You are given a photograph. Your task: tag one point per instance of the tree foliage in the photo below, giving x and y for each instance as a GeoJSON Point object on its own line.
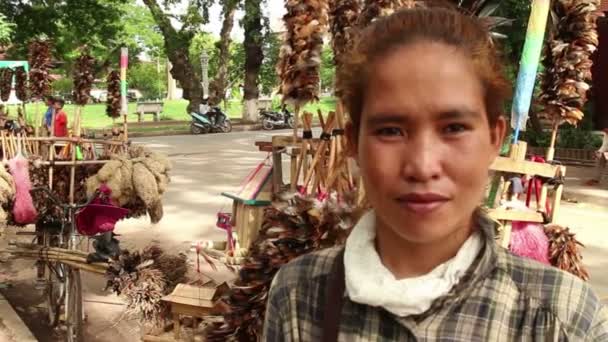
{"type": "Point", "coordinates": [68, 23]}
{"type": "Point", "coordinates": [178, 40]}
{"type": "Point", "coordinates": [519, 11]}
{"type": "Point", "coordinates": [149, 78]}
{"type": "Point", "coordinates": [6, 28]}
{"type": "Point", "coordinates": [328, 68]}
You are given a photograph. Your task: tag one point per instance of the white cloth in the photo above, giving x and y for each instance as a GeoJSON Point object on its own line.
{"type": "Point", "coordinates": [203, 108]}
{"type": "Point", "coordinates": [369, 282]}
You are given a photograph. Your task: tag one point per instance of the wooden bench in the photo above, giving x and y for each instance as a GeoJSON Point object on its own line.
{"type": "Point", "coordinates": [154, 108]}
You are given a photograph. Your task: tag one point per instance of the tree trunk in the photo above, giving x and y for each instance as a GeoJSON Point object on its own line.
{"type": "Point", "coordinates": [176, 48]}
{"type": "Point", "coordinates": [252, 23]}
{"type": "Point", "coordinates": [219, 85]}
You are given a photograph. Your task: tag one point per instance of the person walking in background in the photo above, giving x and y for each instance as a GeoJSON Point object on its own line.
{"type": "Point", "coordinates": [48, 115]}
{"type": "Point", "coordinates": [601, 156]}
{"type": "Point", "coordinates": [61, 119]}
{"type": "Point", "coordinates": [425, 90]}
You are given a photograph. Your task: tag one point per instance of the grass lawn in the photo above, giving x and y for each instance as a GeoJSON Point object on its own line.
{"type": "Point", "coordinates": [94, 115]}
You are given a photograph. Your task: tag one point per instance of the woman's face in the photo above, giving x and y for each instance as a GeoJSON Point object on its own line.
{"type": "Point", "coordinates": [425, 144]}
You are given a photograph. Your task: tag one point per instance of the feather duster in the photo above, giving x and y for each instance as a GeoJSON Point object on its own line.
{"type": "Point", "coordinates": [23, 209]}
{"type": "Point", "coordinates": [529, 240]}
{"type": "Point", "coordinates": [343, 16]}
{"type": "Point", "coordinates": [567, 59]}
{"type": "Point", "coordinates": [83, 78]}
{"type": "Point", "coordinates": [21, 84]}
{"type": "Point", "coordinates": [113, 100]}
{"type": "Point", "coordinates": [292, 227]}
{"type": "Point", "coordinates": [40, 62]}
{"type": "Point", "coordinates": [6, 84]}
{"type": "Point", "coordinates": [300, 57]}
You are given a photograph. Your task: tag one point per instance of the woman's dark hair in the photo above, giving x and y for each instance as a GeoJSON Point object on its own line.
{"type": "Point", "coordinates": [441, 25]}
{"type": "Point", "coordinates": [60, 102]}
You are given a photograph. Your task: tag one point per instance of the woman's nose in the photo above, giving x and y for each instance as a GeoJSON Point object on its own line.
{"type": "Point", "coordinates": [422, 160]}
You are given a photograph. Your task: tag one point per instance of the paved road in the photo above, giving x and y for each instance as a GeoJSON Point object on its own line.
{"type": "Point", "coordinates": [205, 166]}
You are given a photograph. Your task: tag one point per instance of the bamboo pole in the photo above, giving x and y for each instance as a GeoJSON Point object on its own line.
{"type": "Point", "coordinates": [322, 151]}
{"type": "Point", "coordinates": [551, 149]}
{"type": "Point", "coordinates": [307, 126]}
{"type": "Point", "coordinates": [52, 149]}
{"type": "Point", "coordinates": [549, 158]}
{"type": "Point", "coordinates": [37, 118]}
{"type": "Point", "coordinates": [4, 156]}
{"type": "Point", "coordinates": [296, 123]}
{"type": "Point", "coordinates": [13, 145]}
{"type": "Point", "coordinates": [72, 173]}
{"type": "Point", "coordinates": [77, 140]}
{"type": "Point", "coordinates": [36, 247]}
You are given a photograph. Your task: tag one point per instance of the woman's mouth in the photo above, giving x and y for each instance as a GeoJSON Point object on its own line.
{"type": "Point", "coordinates": [422, 203]}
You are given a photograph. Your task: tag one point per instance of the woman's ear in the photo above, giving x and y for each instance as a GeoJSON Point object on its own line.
{"type": "Point", "coordinates": [497, 134]}
{"type": "Point", "coordinates": [351, 138]}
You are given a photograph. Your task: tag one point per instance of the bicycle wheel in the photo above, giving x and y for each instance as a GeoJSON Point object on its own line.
{"type": "Point", "coordinates": [74, 306]}
{"type": "Point", "coordinates": [55, 296]}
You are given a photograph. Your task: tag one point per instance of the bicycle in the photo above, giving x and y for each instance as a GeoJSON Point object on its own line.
{"type": "Point", "coordinates": [63, 283]}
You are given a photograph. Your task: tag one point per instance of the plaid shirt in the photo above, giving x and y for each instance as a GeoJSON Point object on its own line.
{"type": "Point", "coordinates": [501, 298]}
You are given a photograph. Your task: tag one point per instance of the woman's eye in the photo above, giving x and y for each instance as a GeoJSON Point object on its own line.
{"type": "Point", "coordinates": [389, 131]}
{"type": "Point", "coordinates": [455, 128]}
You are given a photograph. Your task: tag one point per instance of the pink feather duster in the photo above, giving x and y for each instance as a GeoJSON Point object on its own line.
{"type": "Point", "coordinates": [529, 240]}
{"type": "Point", "coordinates": [23, 209]}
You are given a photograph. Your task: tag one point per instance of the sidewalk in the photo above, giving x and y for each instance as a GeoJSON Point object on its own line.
{"type": "Point", "coordinates": [12, 328]}
{"type": "Point", "coordinates": [575, 188]}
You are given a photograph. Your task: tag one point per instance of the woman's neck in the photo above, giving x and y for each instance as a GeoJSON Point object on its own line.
{"type": "Point", "coordinates": [406, 259]}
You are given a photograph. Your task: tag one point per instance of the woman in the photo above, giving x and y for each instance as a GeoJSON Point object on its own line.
{"type": "Point", "coordinates": [425, 91]}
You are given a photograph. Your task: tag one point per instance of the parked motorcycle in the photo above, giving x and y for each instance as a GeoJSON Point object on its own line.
{"type": "Point", "coordinates": [214, 121]}
{"type": "Point", "coordinates": [276, 119]}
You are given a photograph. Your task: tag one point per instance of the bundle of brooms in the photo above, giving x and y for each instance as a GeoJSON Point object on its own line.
{"type": "Point", "coordinates": [144, 277]}
{"type": "Point", "coordinates": [564, 251]}
{"type": "Point", "coordinates": [141, 277]}
{"type": "Point", "coordinates": [73, 258]}
{"type": "Point", "coordinates": [567, 59]}
{"type": "Point", "coordinates": [292, 227]}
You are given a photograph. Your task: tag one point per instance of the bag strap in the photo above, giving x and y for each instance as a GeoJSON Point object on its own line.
{"type": "Point", "coordinates": [334, 298]}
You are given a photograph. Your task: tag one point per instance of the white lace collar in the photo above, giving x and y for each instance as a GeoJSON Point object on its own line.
{"type": "Point", "coordinates": [369, 282]}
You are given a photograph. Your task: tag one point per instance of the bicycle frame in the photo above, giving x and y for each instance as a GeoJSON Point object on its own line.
{"type": "Point", "coordinates": [66, 274]}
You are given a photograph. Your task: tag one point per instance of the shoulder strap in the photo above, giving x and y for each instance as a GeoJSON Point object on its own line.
{"type": "Point", "coordinates": [334, 297]}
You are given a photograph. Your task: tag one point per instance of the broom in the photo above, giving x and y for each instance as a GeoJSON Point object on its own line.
{"type": "Point", "coordinates": [23, 209]}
